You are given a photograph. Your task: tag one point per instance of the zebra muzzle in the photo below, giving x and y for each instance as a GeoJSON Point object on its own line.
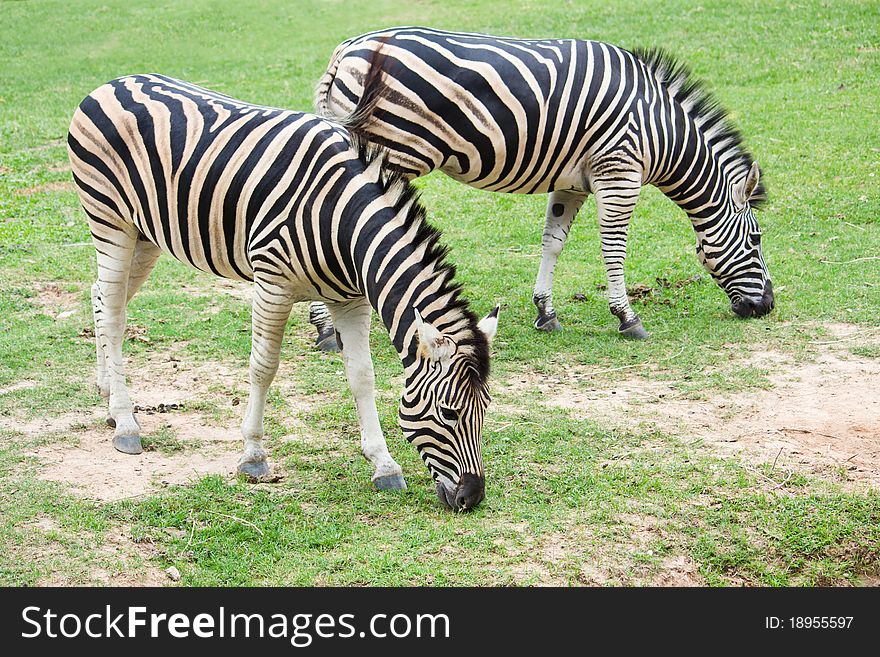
{"type": "Point", "coordinates": [746, 307]}
{"type": "Point", "coordinates": [469, 493]}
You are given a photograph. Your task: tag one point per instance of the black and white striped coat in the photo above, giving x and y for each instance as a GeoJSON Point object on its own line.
{"type": "Point", "coordinates": [568, 117]}
{"type": "Point", "coordinates": [282, 199]}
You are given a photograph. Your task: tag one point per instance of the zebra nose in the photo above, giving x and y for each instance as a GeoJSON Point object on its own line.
{"type": "Point", "coordinates": [471, 491]}
{"type": "Point", "coordinates": [749, 308]}
{"type": "Point", "coordinates": [744, 308]}
{"type": "Point", "coordinates": [768, 301]}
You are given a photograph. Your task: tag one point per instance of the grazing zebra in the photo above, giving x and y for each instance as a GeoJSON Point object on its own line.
{"type": "Point", "coordinates": [567, 117]}
{"type": "Point", "coordinates": [282, 199]}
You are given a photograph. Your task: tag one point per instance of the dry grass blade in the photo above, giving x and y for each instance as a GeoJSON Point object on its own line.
{"type": "Point", "coordinates": [849, 262]}
{"type": "Point", "coordinates": [237, 519]}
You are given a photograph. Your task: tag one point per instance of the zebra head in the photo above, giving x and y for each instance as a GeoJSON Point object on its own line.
{"type": "Point", "coordinates": [729, 247]}
{"type": "Point", "coordinates": [443, 406]}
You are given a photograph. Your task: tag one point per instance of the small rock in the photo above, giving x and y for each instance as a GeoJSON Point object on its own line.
{"type": "Point", "coordinates": [173, 573]}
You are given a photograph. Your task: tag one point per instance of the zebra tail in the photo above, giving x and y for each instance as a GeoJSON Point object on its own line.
{"type": "Point", "coordinates": [374, 88]}
{"type": "Point", "coordinates": [322, 90]}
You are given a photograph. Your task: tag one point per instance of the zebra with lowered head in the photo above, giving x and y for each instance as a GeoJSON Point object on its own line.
{"type": "Point", "coordinates": [282, 199]}
{"type": "Point", "coordinates": [568, 117]}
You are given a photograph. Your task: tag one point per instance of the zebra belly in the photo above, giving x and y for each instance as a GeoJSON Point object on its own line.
{"type": "Point", "coordinates": [297, 287]}
{"type": "Point", "coordinates": [217, 268]}
{"type": "Point", "coordinates": [571, 181]}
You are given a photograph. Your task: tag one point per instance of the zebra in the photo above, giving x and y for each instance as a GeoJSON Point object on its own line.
{"type": "Point", "coordinates": [286, 200]}
{"type": "Point", "coordinates": [568, 117]}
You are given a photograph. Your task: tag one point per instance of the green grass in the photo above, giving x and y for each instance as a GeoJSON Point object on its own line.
{"type": "Point", "coordinates": [567, 498]}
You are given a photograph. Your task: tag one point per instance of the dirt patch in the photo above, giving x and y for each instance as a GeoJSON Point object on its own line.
{"type": "Point", "coordinates": [95, 470]}
{"type": "Point", "coordinates": [821, 417]}
{"type": "Point", "coordinates": [59, 186]}
{"type": "Point", "coordinates": [56, 302]}
{"type": "Point", "coordinates": [119, 561]}
{"type": "Point", "coordinates": [202, 445]}
{"type": "Point", "coordinates": [133, 558]}
{"type": "Point", "coordinates": [20, 385]}
{"type": "Point", "coordinates": [173, 379]}
{"type": "Point", "coordinates": [237, 289]}
{"type": "Point", "coordinates": [622, 556]}
{"type": "Point", "coordinates": [211, 285]}
{"type": "Point", "coordinates": [677, 570]}
{"type": "Point", "coordinates": [66, 423]}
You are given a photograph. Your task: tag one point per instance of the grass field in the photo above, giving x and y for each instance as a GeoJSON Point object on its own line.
{"type": "Point", "coordinates": [573, 496]}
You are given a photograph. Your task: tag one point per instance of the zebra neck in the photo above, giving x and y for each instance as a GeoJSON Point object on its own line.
{"type": "Point", "coordinates": [403, 271]}
{"type": "Point", "coordinates": [696, 165]}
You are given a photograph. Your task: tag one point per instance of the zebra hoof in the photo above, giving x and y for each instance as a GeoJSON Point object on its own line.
{"type": "Point", "coordinates": [633, 330]}
{"type": "Point", "coordinates": [256, 471]}
{"type": "Point", "coordinates": [547, 323]}
{"type": "Point", "coordinates": [326, 341]}
{"type": "Point", "coordinates": [390, 482]}
{"type": "Point", "coordinates": [110, 422]}
{"type": "Point", "coordinates": [127, 444]}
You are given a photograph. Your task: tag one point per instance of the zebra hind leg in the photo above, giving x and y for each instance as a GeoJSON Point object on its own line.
{"type": "Point", "coordinates": [319, 317]}
{"type": "Point", "coordinates": [109, 300]}
{"type": "Point", "coordinates": [561, 210]}
{"type": "Point", "coordinates": [101, 374]}
{"type": "Point", "coordinates": [145, 255]}
{"type": "Point", "coordinates": [142, 263]}
{"type": "Point", "coordinates": [270, 312]}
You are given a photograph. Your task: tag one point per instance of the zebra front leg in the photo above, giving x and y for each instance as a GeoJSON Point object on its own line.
{"type": "Point", "coordinates": [319, 317]}
{"type": "Point", "coordinates": [270, 312]}
{"type": "Point", "coordinates": [615, 201]}
{"type": "Point", "coordinates": [352, 320]}
{"type": "Point", "coordinates": [561, 210]}
{"type": "Point", "coordinates": [109, 300]}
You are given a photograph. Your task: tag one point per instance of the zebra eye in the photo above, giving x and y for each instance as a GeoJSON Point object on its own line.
{"type": "Point", "coordinates": [449, 416]}
{"type": "Point", "coordinates": [755, 239]}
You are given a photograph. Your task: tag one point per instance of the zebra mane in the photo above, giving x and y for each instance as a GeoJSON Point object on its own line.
{"type": "Point", "coordinates": [405, 196]}
{"type": "Point", "coordinates": [712, 119]}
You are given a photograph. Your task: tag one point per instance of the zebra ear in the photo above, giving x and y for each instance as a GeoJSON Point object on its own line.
{"type": "Point", "coordinates": [433, 345]}
{"type": "Point", "coordinates": [743, 191]}
{"type": "Point", "coordinates": [489, 324]}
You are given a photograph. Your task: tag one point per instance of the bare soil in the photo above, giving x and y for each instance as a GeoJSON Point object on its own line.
{"type": "Point", "coordinates": [56, 302]}
{"type": "Point", "coordinates": [119, 561]}
{"type": "Point", "coordinates": [63, 186]}
{"type": "Point", "coordinates": [93, 469]}
{"type": "Point", "coordinates": [820, 417]}
{"type": "Point", "coordinates": [561, 557]}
